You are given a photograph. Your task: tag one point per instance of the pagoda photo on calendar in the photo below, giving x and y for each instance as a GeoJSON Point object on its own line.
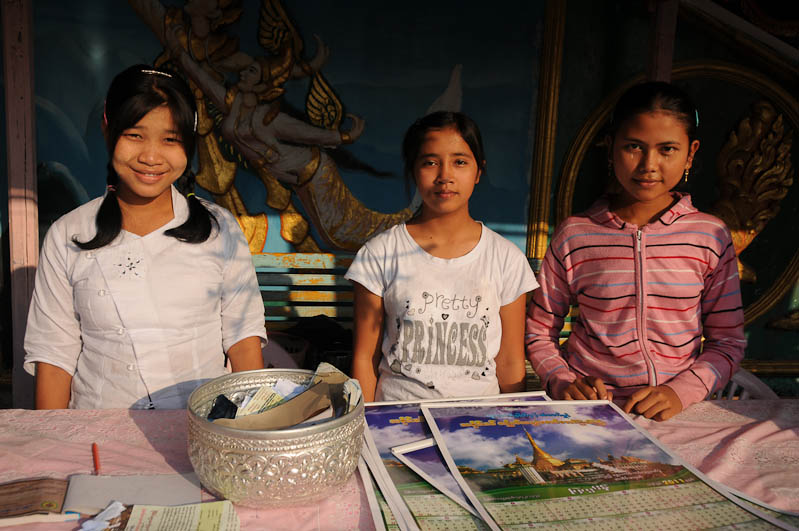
{"type": "Point", "coordinates": [395, 424]}
{"type": "Point", "coordinates": [539, 467]}
{"type": "Point", "coordinates": [571, 463]}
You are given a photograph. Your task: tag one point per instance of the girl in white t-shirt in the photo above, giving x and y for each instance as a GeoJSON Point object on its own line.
{"type": "Point", "coordinates": [439, 300]}
{"type": "Point", "coordinates": [142, 293]}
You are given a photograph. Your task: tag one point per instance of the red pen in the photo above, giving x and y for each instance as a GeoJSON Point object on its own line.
{"type": "Point", "coordinates": [96, 457]}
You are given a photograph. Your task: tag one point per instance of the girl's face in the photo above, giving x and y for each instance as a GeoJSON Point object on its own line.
{"type": "Point", "coordinates": [650, 154]}
{"type": "Point", "coordinates": [445, 172]}
{"type": "Point", "coordinates": [149, 157]}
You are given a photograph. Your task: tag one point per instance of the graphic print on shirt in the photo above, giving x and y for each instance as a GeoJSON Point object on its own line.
{"type": "Point", "coordinates": [130, 266]}
{"type": "Point", "coordinates": [440, 330]}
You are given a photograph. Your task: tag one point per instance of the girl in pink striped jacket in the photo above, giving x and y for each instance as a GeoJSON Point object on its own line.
{"type": "Point", "coordinates": [652, 275]}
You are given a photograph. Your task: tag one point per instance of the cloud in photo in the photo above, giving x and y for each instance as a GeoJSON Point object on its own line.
{"type": "Point", "coordinates": [497, 446]}
{"type": "Point", "coordinates": [470, 448]}
{"type": "Point", "coordinates": [394, 435]}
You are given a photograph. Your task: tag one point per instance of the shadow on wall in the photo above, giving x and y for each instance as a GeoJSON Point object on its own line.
{"type": "Point", "coordinates": [6, 351]}
{"type": "Point", "coordinates": [59, 192]}
{"type": "Point", "coordinates": [6, 341]}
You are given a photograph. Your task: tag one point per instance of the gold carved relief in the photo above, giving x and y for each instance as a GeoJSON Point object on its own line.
{"type": "Point", "coordinates": [790, 321]}
{"type": "Point", "coordinates": [254, 228]}
{"type": "Point", "coordinates": [774, 178]}
{"type": "Point", "coordinates": [246, 124]}
{"type": "Point", "coordinates": [754, 171]}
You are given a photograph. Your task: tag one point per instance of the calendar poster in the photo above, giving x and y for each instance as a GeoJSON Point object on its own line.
{"type": "Point", "coordinates": [397, 423]}
{"type": "Point", "coordinates": [421, 505]}
{"type": "Point", "coordinates": [372, 494]}
{"type": "Point", "coordinates": [392, 510]}
{"type": "Point", "coordinates": [790, 518]}
{"type": "Point", "coordinates": [425, 459]}
{"type": "Point", "coordinates": [577, 465]}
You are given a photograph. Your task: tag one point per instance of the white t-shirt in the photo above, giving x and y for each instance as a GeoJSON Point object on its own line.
{"type": "Point", "coordinates": [145, 317]}
{"type": "Point", "coordinates": [442, 329]}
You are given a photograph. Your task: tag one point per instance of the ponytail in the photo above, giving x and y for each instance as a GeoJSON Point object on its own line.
{"type": "Point", "coordinates": [109, 216]}
{"type": "Point", "coordinates": [201, 221]}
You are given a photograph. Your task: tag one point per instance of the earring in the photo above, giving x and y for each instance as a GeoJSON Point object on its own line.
{"type": "Point", "coordinates": [685, 176]}
{"type": "Point", "coordinates": [610, 169]}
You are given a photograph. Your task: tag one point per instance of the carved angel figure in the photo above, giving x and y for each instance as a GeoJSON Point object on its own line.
{"type": "Point", "coordinates": [282, 150]}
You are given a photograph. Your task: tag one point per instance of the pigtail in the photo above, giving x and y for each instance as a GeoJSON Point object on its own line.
{"type": "Point", "coordinates": [197, 228]}
{"type": "Point", "coordinates": [109, 217]}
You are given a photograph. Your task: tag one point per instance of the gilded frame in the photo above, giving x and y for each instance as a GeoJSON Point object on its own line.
{"type": "Point", "coordinates": [546, 125]}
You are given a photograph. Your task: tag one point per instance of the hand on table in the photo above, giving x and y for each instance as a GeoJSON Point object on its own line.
{"type": "Point", "coordinates": [587, 388]}
{"type": "Point", "coordinates": [659, 403]}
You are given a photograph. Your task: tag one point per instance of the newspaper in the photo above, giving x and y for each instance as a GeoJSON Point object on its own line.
{"type": "Point", "coordinates": [217, 516]}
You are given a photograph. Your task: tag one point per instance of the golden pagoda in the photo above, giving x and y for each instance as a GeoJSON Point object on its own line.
{"type": "Point", "coordinates": [541, 459]}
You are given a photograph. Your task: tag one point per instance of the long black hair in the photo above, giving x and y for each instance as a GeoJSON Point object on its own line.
{"type": "Point", "coordinates": [133, 93]}
{"type": "Point", "coordinates": [414, 138]}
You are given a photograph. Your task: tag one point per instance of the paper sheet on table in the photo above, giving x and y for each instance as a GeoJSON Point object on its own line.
{"type": "Point", "coordinates": [219, 516]}
{"type": "Point", "coordinates": [91, 494]}
{"type": "Point", "coordinates": [211, 516]}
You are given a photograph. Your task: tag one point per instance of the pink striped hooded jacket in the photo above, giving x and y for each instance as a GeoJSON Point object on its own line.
{"type": "Point", "coordinates": [647, 296]}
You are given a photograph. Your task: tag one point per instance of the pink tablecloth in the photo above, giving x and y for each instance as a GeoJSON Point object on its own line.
{"type": "Point", "coordinates": [749, 445]}
{"type": "Point", "coordinates": [58, 443]}
{"type": "Point", "coordinates": [752, 446]}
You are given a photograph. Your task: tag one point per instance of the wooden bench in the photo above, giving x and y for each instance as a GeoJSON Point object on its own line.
{"type": "Point", "coordinates": [296, 285]}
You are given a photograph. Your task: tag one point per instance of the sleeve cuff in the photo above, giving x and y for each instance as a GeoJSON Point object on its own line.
{"type": "Point", "coordinates": [559, 381]}
{"type": "Point", "coordinates": [373, 288]}
{"type": "Point", "coordinates": [29, 365]}
{"type": "Point", "coordinates": [689, 392]}
{"type": "Point", "coordinates": [229, 342]}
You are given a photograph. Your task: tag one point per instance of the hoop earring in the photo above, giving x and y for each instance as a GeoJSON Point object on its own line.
{"type": "Point", "coordinates": [685, 176]}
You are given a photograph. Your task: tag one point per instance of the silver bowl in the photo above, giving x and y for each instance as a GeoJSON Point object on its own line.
{"type": "Point", "coordinates": [270, 468]}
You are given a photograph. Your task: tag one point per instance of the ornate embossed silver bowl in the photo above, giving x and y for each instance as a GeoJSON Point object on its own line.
{"type": "Point", "coordinates": [270, 468]}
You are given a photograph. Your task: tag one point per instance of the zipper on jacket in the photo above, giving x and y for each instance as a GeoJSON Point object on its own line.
{"type": "Point", "coordinates": [641, 310]}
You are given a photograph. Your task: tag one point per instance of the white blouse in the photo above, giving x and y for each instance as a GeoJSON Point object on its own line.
{"type": "Point", "coordinates": [144, 320]}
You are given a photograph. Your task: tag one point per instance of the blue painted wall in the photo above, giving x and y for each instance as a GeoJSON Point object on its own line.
{"type": "Point", "coordinates": [388, 62]}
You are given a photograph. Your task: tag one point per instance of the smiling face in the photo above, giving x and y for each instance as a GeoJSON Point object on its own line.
{"type": "Point", "coordinates": [650, 154]}
{"type": "Point", "coordinates": [445, 172]}
{"type": "Point", "coordinates": [149, 157]}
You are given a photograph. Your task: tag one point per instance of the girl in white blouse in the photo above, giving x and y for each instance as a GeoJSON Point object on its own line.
{"type": "Point", "coordinates": [142, 294]}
